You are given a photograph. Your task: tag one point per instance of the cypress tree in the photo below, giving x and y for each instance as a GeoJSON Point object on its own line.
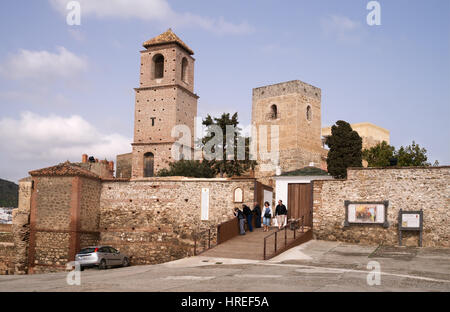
{"type": "Point", "coordinates": [345, 149]}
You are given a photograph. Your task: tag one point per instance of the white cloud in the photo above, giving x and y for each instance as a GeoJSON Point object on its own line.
{"type": "Point", "coordinates": [153, 10]}
{"type": "Point", "coordinates": [43, 65]}
{"type": "Point", "coordinates": [48, 140]}
{"type": "Point", "coordinates": [342, 28]}
{"type": "Point", "coordinates": [76, 34]}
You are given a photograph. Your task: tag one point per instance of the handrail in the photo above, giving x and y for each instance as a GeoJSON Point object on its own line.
{"type": "Point", "coordinates": [293, 225]}
{"type": "Point", "coordinates": [200, 234]}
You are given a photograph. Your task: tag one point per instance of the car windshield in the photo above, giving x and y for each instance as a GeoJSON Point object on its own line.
{"type": "Point", "coordinates": [87, 250]}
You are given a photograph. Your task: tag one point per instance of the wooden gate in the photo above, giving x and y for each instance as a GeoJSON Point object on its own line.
{"type": "Point", "coordinates": [300, 202]}
{"type": "Point", "coordinates": [260, 190]}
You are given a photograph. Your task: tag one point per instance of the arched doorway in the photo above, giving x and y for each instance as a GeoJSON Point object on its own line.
{"type": "Point", "coordinates": [149, 160]}
{"type": "Point", "coordinates": [158, 66]}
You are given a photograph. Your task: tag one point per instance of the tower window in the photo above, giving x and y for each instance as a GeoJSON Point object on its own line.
{"type": "Point", "coordinates": [184, 65]}
{"type": "Point", "coordinates": [273, 112]}
{"type": "Point", "coordinates": [308, 113]}
{"type": "Point", "coordinates": [158, 66]}
{"type": "Point", "coordinates": [149, 160]}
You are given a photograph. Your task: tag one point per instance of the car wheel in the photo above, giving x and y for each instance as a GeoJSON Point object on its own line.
{"type": "Point", "coordinates": [102, 265]}
{"type": "Point", "coordinates": [125, 262]}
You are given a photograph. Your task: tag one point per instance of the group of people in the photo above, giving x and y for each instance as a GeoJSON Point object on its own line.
{"type": "Point", "coordinates": [265, 215]}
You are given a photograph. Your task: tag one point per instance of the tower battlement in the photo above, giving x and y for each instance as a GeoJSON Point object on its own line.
{"type": "Point", "coordinates": [289, 87]}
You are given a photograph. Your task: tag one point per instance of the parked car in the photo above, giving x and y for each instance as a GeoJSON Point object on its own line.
{"type": "Point", "coordinates": [101, 257]}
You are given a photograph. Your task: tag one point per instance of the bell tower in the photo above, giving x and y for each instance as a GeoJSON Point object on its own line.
{"type": "Point", "coordinates": [165, 98]}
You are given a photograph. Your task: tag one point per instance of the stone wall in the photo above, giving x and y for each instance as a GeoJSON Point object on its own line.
{"type": "Point", "coordinates": [63, 214]}
{"type": "Point", "coordinates": [152, 220]}
{"type": "Point", "coordinates": [123, 166]}
{"type": "Point", "coordinates": [299, 134]}
{"type": "Point", "coordinates": [6, 250]}
{"type": "Point", "coordinates": [413, 188]}
{"type": "Point", "coordinates": [21, 226]}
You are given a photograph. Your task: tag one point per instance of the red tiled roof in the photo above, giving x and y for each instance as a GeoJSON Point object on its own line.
{"type": "Point", "coordinates": [66, 169]}
{"type": "Point", "coordinates": [165, 38]}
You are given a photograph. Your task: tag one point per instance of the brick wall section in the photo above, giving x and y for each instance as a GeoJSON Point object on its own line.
{"type": "Point", "coordinates": [425, 188]}
{"type": "Point", "coordinates": [50, 211]}
{"type": "Point", "coordinates": [153, 220]}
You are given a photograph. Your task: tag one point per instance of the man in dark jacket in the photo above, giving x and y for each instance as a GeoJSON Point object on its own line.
{"type": "Point", "coordinates": [248, 215]}
{"type": "Point", "coordinates": [241, 219]}
{"type": "Point", "coordinates": [280, 213]}
{"type": "Point", "coordinates": [257, 213]}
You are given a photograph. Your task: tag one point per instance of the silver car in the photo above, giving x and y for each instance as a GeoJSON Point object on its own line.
{"type": "Point", "coordinates": [101, 257]}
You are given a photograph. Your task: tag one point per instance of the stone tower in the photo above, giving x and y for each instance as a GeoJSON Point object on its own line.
{"type": "Point", "coordinates": [294, 106]}
{"type": "Point", "coordinates": [164, 99]}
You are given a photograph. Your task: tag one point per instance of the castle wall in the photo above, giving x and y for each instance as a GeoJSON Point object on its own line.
{"type": "Point", "coordinates": [406, 188]}
{"type": "Point", "coordinates": [21, 226]}
{"type": "Point", "coordinates": [153, 220]}
{"type": "Point", "coordinates": [6, 249]}
{"type": "Point", "coordinates": [64, 215]}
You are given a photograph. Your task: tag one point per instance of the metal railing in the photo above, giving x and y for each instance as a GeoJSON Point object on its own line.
{"type": "Point", "coordinates": [293, 226]}
{"type": "Point", "coordinates": [198, 238]}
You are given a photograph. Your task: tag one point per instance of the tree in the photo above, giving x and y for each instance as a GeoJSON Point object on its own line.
{"type": "Point", "coordinates": [234, 166]}
{"type": "Point", "coordinates": [412, 155]}
{"type": "Point", "coordinates": [345, 149]}
{"type": "Point", "coordinates": [188, 168]}
{"type": "Point", "coordinates": [379, 155]}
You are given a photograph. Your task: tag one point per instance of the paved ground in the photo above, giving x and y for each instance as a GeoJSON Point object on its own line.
{"type": "Point", "coordinates": [313, 266]}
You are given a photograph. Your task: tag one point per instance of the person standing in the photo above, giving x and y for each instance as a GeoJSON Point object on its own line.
{"type": "Point", "coordinates": [248, 215]}
{"type": "Point", "coordinates": [257, 214]}
{"type": "Point", "coordinates": [280, 213]}
{"type": "Point", "coordinates": [267, 216]}
{"type": "Point", "coordinates": [241, 219]}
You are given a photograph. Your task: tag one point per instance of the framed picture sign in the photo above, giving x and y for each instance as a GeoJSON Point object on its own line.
{"type": "Point", "coordinates": [366, 213]}
{"type": "Point", "coordinates": [410, 221]}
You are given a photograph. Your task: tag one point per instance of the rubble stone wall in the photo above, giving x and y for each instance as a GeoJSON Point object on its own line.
{"type": "Point", "coordinates": [6, 250]}
{"type": "Point", "coordinates": [412, 188]}
{"type": "Point", "coordinates": [21, 227]}
{"type": "Point", "coordinates": [154, 220]}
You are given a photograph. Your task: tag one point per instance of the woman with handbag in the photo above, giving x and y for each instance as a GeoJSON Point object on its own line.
{"type": "Point", "coordinates": [267, 216]}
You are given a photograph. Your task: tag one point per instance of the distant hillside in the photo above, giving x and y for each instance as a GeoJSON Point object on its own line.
{"type": "Point", "coordinates": [9, 194]}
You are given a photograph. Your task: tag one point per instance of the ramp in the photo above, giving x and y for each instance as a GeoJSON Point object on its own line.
{"type": "Point", "coordinates": [251, 245]}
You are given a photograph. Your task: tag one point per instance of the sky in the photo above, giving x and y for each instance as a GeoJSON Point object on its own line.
{"type": "Point", "coordinates": [67, 89]}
